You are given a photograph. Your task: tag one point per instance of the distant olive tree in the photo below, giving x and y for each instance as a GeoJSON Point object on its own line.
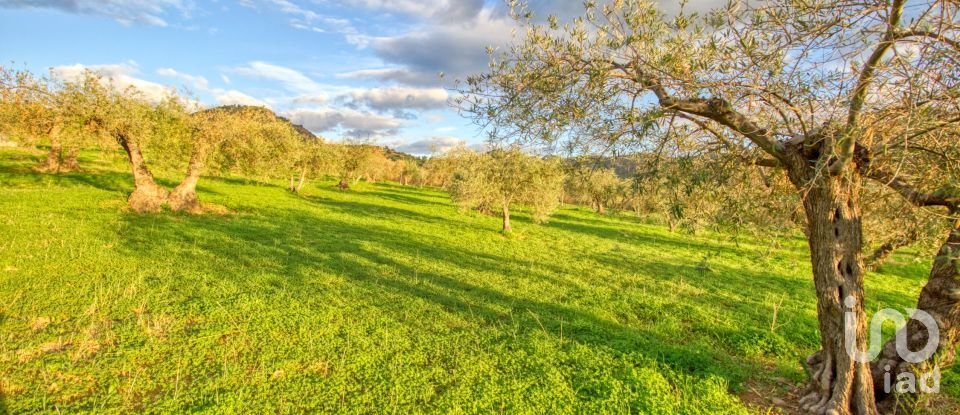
{"type": "Point", "coordinates": [409, 172]}
{"type": "Point", "coordinates": [351, 163]}
{"type": "Point", "coordinates": [592, 185]}
{"type": "Point", "coordinates": [500, 179]}
{"type": "Point", "coordinates": [313, 158]}
{"type": "Point", "coordinates": [439, 169]}
{"type": "Point", "coordinates": [36, 110]}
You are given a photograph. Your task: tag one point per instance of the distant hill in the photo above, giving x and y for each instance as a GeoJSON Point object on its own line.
{"type": "Point", "coordinates": [307, 134]}
{"type": "Point", "coordinates": [304, 133]}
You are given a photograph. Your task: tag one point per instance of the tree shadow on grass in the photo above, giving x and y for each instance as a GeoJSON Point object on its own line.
{"type": "Point", "coordinates": [398, 193]}
{"type": "Point", "coordinates": [635, 237]}
{"type": "Point", "coordinates": [362, 209]}
{"type": "Point", "coordinates": [378, 260]}
{"type": "Point", "coordinates": [108, 180]}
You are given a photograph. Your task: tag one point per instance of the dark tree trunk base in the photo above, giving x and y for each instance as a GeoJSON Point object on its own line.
{"type": "Point", "coordinates": [70, 164]}
{"type": "Point", "coordinates": [148, 199]}
{"type": "Point", "coordinates": [182, 200]}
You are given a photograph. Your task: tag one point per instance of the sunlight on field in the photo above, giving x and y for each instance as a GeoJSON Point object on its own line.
{"type": "Point", "coordinates": [384, 297]}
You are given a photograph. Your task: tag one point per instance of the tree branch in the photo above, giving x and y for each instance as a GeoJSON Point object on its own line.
{"type": "Point", "coordinates": [910, 193]}
{"type": "Point", "coordinates": [720, 111]}
{"type": "Point", "coordinates": [847, 141]}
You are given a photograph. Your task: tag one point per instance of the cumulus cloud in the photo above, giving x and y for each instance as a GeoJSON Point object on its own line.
{"type": "Point", "coordinates": [444, 10]}
{"type": "Point", "coordinates": [353, 123]}
{"type": "Point", "coordinates": [432, 145]}
{"type": "Point", "coordinates": [126, 12]}
{"type": "Point", "coordinates": [454, 50]}
{"type": "Point", "coordinates": [222, 96]}
{"type": "Point", "coordinates": [399, 75]}
{"type": "Point", "coordinates": [234, 97]}
{"type": "Point", "coordinates": [304, 89]}
{"type": "Point", "coordinates": [457, 47]}
{"type": "Point", "coordinates": [292, 79]}
{"type": "Point", "coordinates": [401, 98]}
{"type": "Point", "coordinates": [197, 82]}
{"type": "Point", "coordinates": [120, 76]}
{"type": "Point", "coordinates": [311, 99]}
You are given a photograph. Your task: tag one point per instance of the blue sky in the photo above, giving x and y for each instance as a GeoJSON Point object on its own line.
{"type": "Point", "coordinates": [360, 70]}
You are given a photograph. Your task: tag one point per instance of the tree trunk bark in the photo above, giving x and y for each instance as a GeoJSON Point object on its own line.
{"type": "Point", "coordinates": [940, 299]}
{"type": "Point", "coordinates": [303, 180]}
{"type": "Point", "coordinates": [600, 208]}
{"type": "Point", "coordinates": [883, 252]}
{"type": "Point", "coordinates": [52, 163]}
{"type": "Point", "coordinates": [147, 196]}
{"type": "Point", "coordinates": [841, 380]}
{"type": "Point", "coordinates": [184, 196]}
{"type": "Point", "coordinates": [506, 218]}
{"type": "Point", "coordinates": [70, 163]}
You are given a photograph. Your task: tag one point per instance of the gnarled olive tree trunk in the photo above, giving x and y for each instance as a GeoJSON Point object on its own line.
{"type": "Point", "coordinates": [840, 384]}
{"type": "Point", "coordinates": [147, 195]}
{"type": "Point", "coordinates": [302, 181]}
{"type": "Point", "coordinates": [52, 163]}
{"type": "Point", "coordinates": [940, 298]}
{"type": "Point", "coordinates": [506, 218]}
{"type": "Point", "coordinates": [71, 163]}
{"type": "Point", "coordinates": [184, 196]}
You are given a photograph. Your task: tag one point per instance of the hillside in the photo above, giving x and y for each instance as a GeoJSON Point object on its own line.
{"type": "Point", "coordinates": [386, 297]}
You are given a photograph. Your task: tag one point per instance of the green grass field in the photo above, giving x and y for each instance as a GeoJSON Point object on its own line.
{"type": "Point", "coordinates": [385, 299]}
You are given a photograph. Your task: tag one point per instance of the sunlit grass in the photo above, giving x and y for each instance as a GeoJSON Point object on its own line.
{"type": "Point", "coordinates": [383, 299]}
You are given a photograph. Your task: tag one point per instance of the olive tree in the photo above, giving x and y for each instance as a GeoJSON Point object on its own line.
{"type": "Point", "coordinates": [244, 139]}
{"type": "Point", "coordinates": [129, 120]}
{"type": "Point", "coordinates": [593, 185]}
{"type": "Point", "coordinates": [439, 169]}
{"type": "Point", "coordinates": [313, 158]}
{"type": "Point", "coordinates": [501, 179]}
{"type": "Point", "coordinates": [353, 161]}
{"type": "Point", "coordinates": [797, 86]}
{"type": "Point", "coordinates": [35, 110]}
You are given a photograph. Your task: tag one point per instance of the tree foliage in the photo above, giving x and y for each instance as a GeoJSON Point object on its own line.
{"type": "Point", "coordinates": [500, 179]}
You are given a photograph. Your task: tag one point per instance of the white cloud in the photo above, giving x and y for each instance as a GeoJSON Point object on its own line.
{"type": "Point", "coordinates": [398, 74]}
{"type": "Point", "coordinates": [353, 123]}
{"type": "Point", "coordinates": [432, 145]}
{"type": "Point", "coordinates": [456, 47]}
{"type": "Point", "coordinates": [197, 82]}
{"type": "Point", "coordinates": [427, 9]}
{"type": "Point", "coordinates": [287, 7]}
{"type": "Point", "coordinates": [291, 79]}
{"type": "Point", "coordinates": [120, 76]}
{"type": "Point", "coordinates": [456, 50]}
{"type": "Point", "coordinates": [125, 12]}
{"type": "Point", "coordinates": [307, 19]}
{"type": "Point", "coordinates": [400, 98]}
{"type": "Point", "coordinates": [310, 99]}
{"type": "Point", "coordinates": [234, 97]}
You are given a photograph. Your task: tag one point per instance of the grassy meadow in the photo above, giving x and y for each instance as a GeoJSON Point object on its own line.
{"type": "Point", "coordinates": [386, 299]}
